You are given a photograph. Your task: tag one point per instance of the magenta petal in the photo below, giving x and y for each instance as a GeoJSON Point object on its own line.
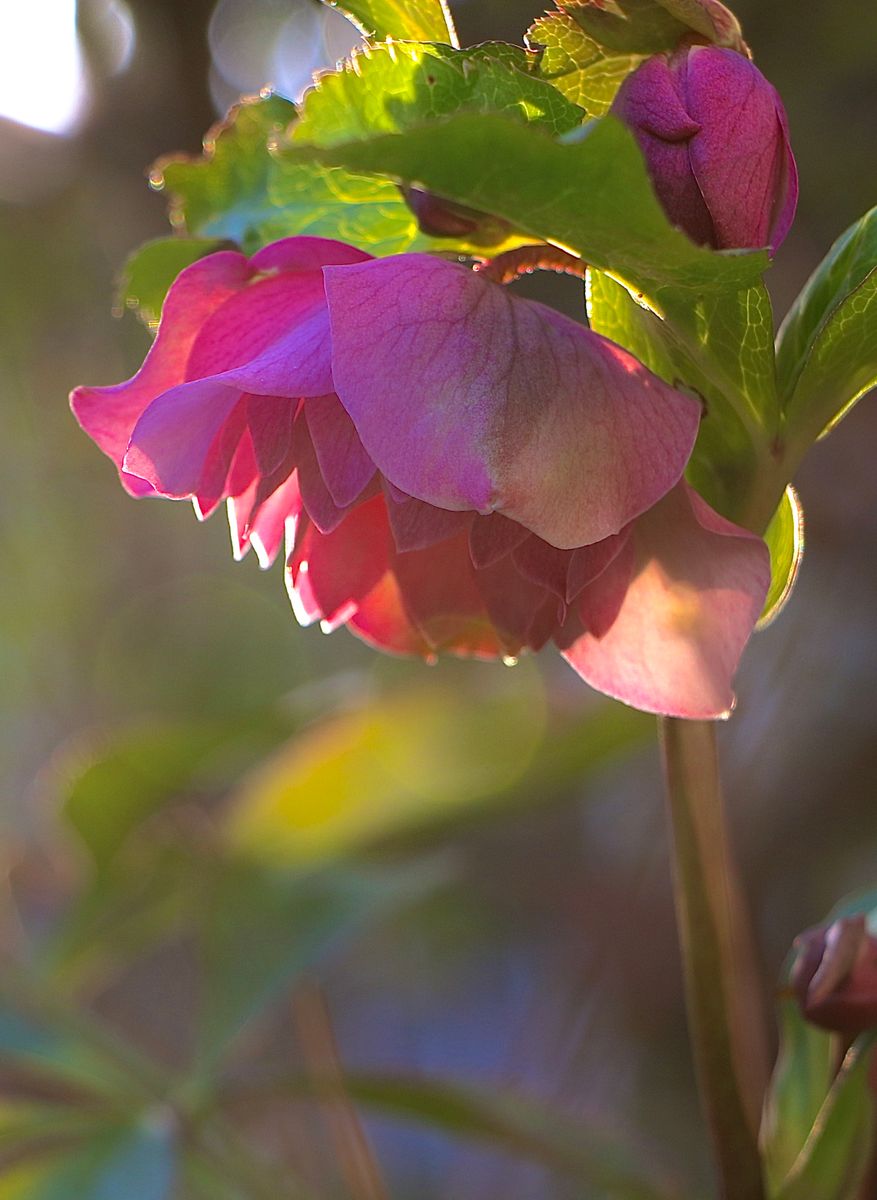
{"type": "Point", "coordinates": [493, 537]}
{"type": "Point", "coordinates": [344, 464]}
{"type": "Point", "coordinates": [416, 525]}
{"type": "Point", "coordinates": [523, 613]}
{"type": "Point", "coordinates": [442, 598]}
{"type": "Point", "coordinates": [306, 254]}
{"type": "Point", "coordinates": [463, 393]}
{"type": "Point", "coordinates": [109, 414]}
{"type": "Point", "coordinates": [269, 419]}
{"type": "Point", "coordinates": [328, 574]}
{"type": "Point", "coordinates": [262, 523]}
{"type": "Point", "coordinates": [224, 460]}
{"type": "Point", "coordinates": [590, 561]}
{"type": "Point", "coordinates": [172, 441]}
{"type": "Point", "coordinates": [739, 152]}
{"type": "Point", "coordinates": [543, 564]}
{"type": "Point", "coordinates": [316, 497]}
{"type": "Point", "coordinates": [682, 618]}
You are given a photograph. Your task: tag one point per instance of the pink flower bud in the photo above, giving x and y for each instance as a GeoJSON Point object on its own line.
{"type": "Point", "coordinates": [835, 976]}
{"type": "Point", "coordinates": [715, 139]}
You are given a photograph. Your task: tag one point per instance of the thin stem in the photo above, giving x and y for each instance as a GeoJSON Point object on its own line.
{"type": "Point", "coordinates": [725, 1009]}
{"type": "Point", "coordinates": [355, 1155]}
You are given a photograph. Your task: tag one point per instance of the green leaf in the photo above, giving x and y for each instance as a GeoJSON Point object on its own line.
{"type": "Point", "coordinates": [388, 767]}
{"type": "Point", "coordinates": [785, 540]}
{"type": "Point", "coordinates": [628, 26]}
{"type": "Point", "coordinates": [225, 193]}
{"type": "Point", "coordinates": [709, 18]}
{"type": "Point", "coordinates": [389, 88]}
{"type": "Point", "coordinates": [801, 1081]}
{"type": "Point", "coordinates": [264, 929]}
{"type": "Point", "coordinates": [412, 20]}
{"type": "Point", "coordinates": [149, 272]}
{"type": "Point", "coordinates": [590, 195]}
{"type": "Point", "coordinates": [725, 461]}
{"type": "Point", "coordinates": [834, 1158]}
{"type": "Point", "coordinates": [135, 1162]}
{"type": "Point", "coordinates": [239, 191]}
{"type": "Point", "coordinates": [518, 1124]}
{"type": "Point", "coordinates": [109, 786]}
{"type": "Point", "coordinates": [576, 65]}
{"type": "Point", "coordinates": [34, 1042]}
{"type": "Point", "coordinates": [827, 346]}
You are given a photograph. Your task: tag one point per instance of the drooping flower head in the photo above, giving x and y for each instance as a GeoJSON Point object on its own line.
{"type": "Point", "coordinates": [456, 469]}
{"type": "Point", "coordinates": [716, 142]}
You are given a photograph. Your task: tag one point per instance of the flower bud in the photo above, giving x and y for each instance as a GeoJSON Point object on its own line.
{"type": "Point", "coordinates": [440, 218]}
{"type": "Point", "coordinates": [715, 139]}
{"type": "Point", "coordinates": [835, 976]}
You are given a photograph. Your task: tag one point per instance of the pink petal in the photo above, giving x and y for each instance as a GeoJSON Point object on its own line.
{"type": "Point", "coordinates": [667, 636]}
{"type": "Point", "coordinates": [329, 574]}
{"type": "Point", "coordinates": [416, 525]}
{"type": "Point", "coordinates": [172, 442]}
{"type": "Point", "coordinates": [463, 393]}
{"type": "Point", "coordinates": [269, 419]}
{"type": "Point", "coordinates": [225, 458]}
{"type": "Point", "coordinates": [317, 498]}
{"type": "Point", "coordinates": [491, 538]}
{"type": "Point", "coordinates": [344, 464]}
{"type": "Point", "coordinates": [442, 598]}
{"type": "Point", "coordinates": [543, 564]}
{"type": "Point", "coordinates": [263, 524]}
{"type": "Point", "coordinates": [590, 561]}
{"type": "Point", "coordinates": [381, 621]}
{"type": "Point", "coordinates": [306, 254]}
{"type": "Point", "coordinates": [523, 613]}
{"type": "Point", "coordinates": [109, 414]}
{"type": "Point", "coordinates": [739, 152]}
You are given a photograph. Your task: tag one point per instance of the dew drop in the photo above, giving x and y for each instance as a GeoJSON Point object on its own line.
{"type": "Point", "coordinates": [508, 660]}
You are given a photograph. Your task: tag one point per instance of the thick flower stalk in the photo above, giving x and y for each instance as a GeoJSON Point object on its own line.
{"type": "Point", "coordinates": [715, 139]}
{"type": "Point", "coordinates": [456, 469]}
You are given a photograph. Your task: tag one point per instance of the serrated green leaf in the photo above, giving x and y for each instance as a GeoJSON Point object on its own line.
{"type": "Point", "coordinates": [576, 65]}
{"type": "Point", "coordinates": [785, 540]}
{"type": "Point", "coordinates": [239, 191]}
{"type": "Point", "coordinates": [149, 272]}
{"type": "Point", "coordinates": [389, 88]}
{"type": "Point", "coordinates": [590, 195]}
{"type": "Point", "coordinates": [827, 346]}
{"type": "Point", "coordinates": [414, 20]}
{"type": "Point", "coordinates": [225, 193]}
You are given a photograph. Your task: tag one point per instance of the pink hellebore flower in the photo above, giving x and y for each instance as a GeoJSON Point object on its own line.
{"type": "Point", "coordinates": [457, 469]}
{"type": "Point", "coordinates": [716, 143]}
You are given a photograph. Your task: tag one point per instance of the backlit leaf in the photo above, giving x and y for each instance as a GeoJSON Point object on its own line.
{"type": "Point", "coordinates": [414, 20]}
{"type": "Point", "coordinates": [827, 346]}
{"type": "Point", "coordinates": [590, 195]}
{"type": "Point", "coordinates": [389, 88]}
{"type": "Point", "coordinates": [149, 272]}
{"type": "Point", "coordinates": [576, 65]}
{"type": "Point", "coordinates": [785, 540]}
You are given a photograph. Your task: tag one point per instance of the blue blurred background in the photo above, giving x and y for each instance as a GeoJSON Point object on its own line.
{"type": "Point", "coordinates": [216, 826]}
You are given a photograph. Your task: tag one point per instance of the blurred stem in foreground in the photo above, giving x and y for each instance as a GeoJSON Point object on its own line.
{"type": "Point", "coordinates": [723, 994]}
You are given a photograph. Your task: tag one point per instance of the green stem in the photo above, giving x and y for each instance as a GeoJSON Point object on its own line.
{"type": "Point", "coordinates": [725, 1013]}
